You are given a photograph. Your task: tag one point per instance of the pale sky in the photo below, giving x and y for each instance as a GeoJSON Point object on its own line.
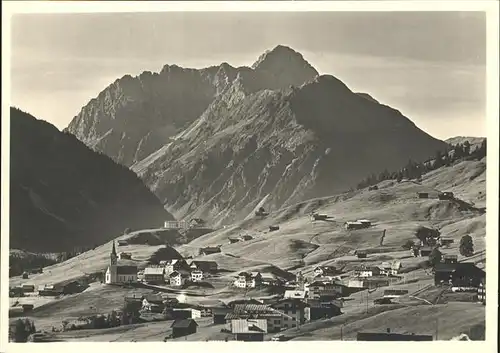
{"type": "Point", "coordinates": [430, 66]}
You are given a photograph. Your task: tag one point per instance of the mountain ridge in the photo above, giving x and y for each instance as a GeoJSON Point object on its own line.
{"type": "Point", "coordinates": [64, 195]}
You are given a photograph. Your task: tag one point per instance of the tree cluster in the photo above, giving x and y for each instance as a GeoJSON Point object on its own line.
{"type": "Point", "coordinates": [415, 170]}
{"type": "Point", "coordinates": [21, 330]}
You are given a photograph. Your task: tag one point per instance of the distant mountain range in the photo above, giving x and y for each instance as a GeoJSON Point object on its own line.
{"type": "Point", "coordinates": [64, 195]}
{"type": "Point", "coordinates": [215, 142]}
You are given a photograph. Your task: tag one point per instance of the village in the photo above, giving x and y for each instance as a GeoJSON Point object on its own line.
{"type": "Point", "coordinates": [263, 305]}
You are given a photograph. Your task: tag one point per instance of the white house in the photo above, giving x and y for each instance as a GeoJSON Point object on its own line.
{"type": "Point", "coordinates": [244, 280]}
{"type": "Point", "coordinates": [366, 271]}
{"type": "Point", "coordinates": [177, 279]}
{"type": "Point", "coordinates": [196, 276]}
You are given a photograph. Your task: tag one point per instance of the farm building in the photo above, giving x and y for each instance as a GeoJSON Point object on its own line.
{"type": "Point", "coordinates": [196, 223]}
{"type": "Point", "coordinates": [122, 242]}
{"type": "Point", "coordinates": [249, 330]}
{"type": "Point", "coordinates": [154, 275]}
{"type": "Point", "coordinates": [49, 290]}
{"type": "Point", "coordinates": [371, 188]}
{"type": "Point", "coordinates": [261, 212]}
{"type": "Point", "coordinates": [205, 266]}
{"type": "Point", "coordinates": [318, 217]}
{"type": "Point", "coordinates": [233, 240]}
{"type": "Point", "coordinates": [274, 228]}
{"type": "Point", "coordinates": [465, 274]}
{"type": "Point", "coordinates": [353, 225]}
{"type": "Point", "coordinates": [269, 279]}
{"type": "Point", "coordinates": [295, 294]}
{"type": "Point", "coordinates": [445, 242]}
{"type": "Point", "coordinates": [210, 250]}
{"type": "Point", "coordinates": [16, 292]}
{"type": "Point", "coordinates": [183, 327]}
{"type": "Point", "coordinates": [390, 268]}
{"type": "Point", "coordinates": [424, 251]}
{"type": "Point", "coordinates": [365, 222]}
{"type": "Point", "coordinates": [423, 195]}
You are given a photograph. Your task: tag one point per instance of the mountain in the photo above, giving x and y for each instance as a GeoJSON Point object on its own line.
{"type": "Point", "coordinates": [274, 133]}
{"type": "Point", "coordinates": [283, 146]}
{"type": "Point", "coordinates": [64, 195]}
{"type": "Point", "coordinates": [135, 116]}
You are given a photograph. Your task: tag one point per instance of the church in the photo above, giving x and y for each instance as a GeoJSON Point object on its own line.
{"type": "Point", "coordinates": [119, 273]}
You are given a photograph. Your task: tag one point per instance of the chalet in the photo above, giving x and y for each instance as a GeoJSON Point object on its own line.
{"type": "Point", "coordinates": [249, 330]}
{"type": "Point", "coordinates": [210, 250]}
{"type": "Point", "coordinates": [446, 195]}
{"type": "Point", "coordinates": [154, 275]}
{"type": "Point", "coordinates": [70, 287]}
{"type": "Point", "coordinates": [353, 225]}
{"type": "Point", "coordinates": [256, 311]}
{"type": "Point", "coordinates": [295, 294]}
{"type": "Point", "coordinates": [390, 268]}
{"type": "Point", "coordinates": [361, 254]}
{"type": "Point", "coordinates": [450, 259]}
{"type": "Point", "coordinates": [205, 266]}
{"type": "Point", "coordinates": [152, 303]}
{"type": "Point", "coordinates": [219, 314]}
{"type": "Point", "coordinates": [366, 223]}
{"type": "Point", "coordinates": [364, 271]}
{"type": "Point", "coordinates": [178, 278]}
{"type": "Point", "coordinates": [49, 290]}
{"type": "Point", "coordinates": [315, 310]}
{"type": "Point", "coordinates": [248, 280]}
{"type": "Point", "coordinates": [293, 313]}
{"type": "Point", "coordinates": [388, 336]}
{"type": "Point", "coordinates": [481, 291]}
{"type": "Point", "coordinates": [318, 289]}
{"type": "Point", "coordinates": [424, 251]}
{"type": "Point", "coordinates": [464, 274]}
{"type": "Point", "coordinates": [423, 195]}
{"type": "Point", "coordinates": [196, 276]}
{"type": "Point", "coordinates": [122, 242]}
{"type": "Point", "coordinates": [28, 288]}
{"type": "Point", "coordinates": [125, 256]}
{"type": "Point", "coordinates": [183, 327]}
{"type": "Point", "coordinates": [274, 228]}
{"type": "Point", "coordinates": [325, 271]}
{"type": "Point", "coordinates": [395, 293]}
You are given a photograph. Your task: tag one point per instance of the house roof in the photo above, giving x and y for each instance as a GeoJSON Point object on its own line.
{"type": "Point", "coordinates": [184, 323]}
{"type": "Point", "coordinates": [154, 271]}
{"type": "Point", "coordinates": [251, 308]}
{"type": "Point", "coordinates": [126, 269]}
{"type": "Point", "coordinates": [249, 326]}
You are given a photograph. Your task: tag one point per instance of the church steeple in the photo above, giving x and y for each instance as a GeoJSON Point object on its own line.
{"type": "Point", "coordinates": [113, 255]}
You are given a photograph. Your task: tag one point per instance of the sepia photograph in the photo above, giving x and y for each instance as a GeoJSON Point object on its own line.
{"type": "Point", "coordinates": [251, 176]}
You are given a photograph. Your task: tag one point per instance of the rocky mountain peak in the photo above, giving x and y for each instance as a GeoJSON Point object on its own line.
{"type": "Point", "coordinates": [282, 58]}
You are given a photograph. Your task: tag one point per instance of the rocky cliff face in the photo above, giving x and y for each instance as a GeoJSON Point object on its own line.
{"type": "Point", "coordinates": [64, 195]}
{"type": "Point", "coordinates": [136, 116]}
{"type": "Point", "coordinates": [275, 131]}
{"type": "Point", "coordinates": [283, 146]}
